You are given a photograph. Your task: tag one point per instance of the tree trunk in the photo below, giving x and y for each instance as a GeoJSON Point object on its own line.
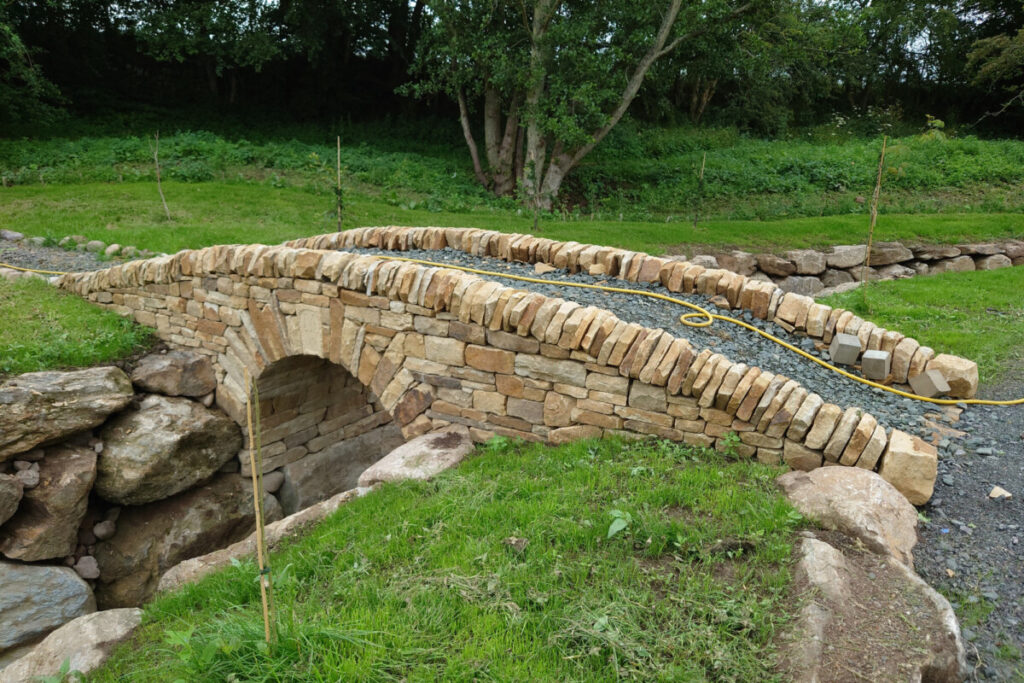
{"type": "Point", "coordinates": [702, 93]}
{"type": "Point", "coordinates": [536, 141]}
{"type": "Point", "coordinates": [499, 144]}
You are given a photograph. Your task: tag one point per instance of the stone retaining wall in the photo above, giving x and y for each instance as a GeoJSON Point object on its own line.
{"type": "Point", "coordinates": [817, 273]}
{"type": "Point", "coordinates": [438, 346]}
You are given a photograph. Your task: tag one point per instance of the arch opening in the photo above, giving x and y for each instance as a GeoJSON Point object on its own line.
{"type": "Point", "coordinates": [320, 427]}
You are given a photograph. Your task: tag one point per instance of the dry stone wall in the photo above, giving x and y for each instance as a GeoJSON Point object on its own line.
{"type": "Point", "coordinates": [437, 347]}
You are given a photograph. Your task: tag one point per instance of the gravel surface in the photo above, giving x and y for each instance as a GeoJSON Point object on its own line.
{"type": "Point", "coordinates": [50, 258]}
{"type": "Point", "coordinates": [975, 538]}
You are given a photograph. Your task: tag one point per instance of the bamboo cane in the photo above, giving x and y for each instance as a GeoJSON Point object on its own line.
{"type": "Point", "coordinates": [257, 501]}
{"type": "Point", "coordinates": [871, 229]}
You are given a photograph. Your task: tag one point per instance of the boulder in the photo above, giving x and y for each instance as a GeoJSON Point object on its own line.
{"type": "Point", "coordinates": [884, 253]}
{"type": "Point", "coordinates": [858, 503]}
{"type": "Point", "coordinates": [960, 374]}
{"type": "Point", "coordinates": [706, 260]}
{"type": "Point", "coordinates": [175, 373]}
{"type": "Point", "coordinates": [910, 465]}
{"type": "Point", "coordinates": [422, 458]}
{"type": "Point", "coordinates": [846, 256]}
{"type": "Point", "coordinates": [980, 249]}
{"type": "Point", "coordinates": [46, 523]}
{"type": "Point", "coordinates": [807, 261]}
{"type": "Point", "coordinates": [934, 252]}
{"type": "Point", "coordinates": [319, 476]}
{"type": "Point", "coordinates": [895, 271]}
{"type": "Point", "coordinates": [741, 262]}
{"type": "Point", "coordinates": [163, 448]}
{"type": "Point", "coordinates": [953, 265]}
{"type": "Point", "coordinates": [10, 495]}
{"type": "Point", "coordinates": [993, 262]}
{"type": "Point", "coordinates": [834, 278]}
{"type": "Point", "coordinates": [84, 643]}
{"type": "Point", "coordinates": [801, 284]}
{"type": "Point", "coordinates": [824, 569]}
{"type": "Point", "coordinates": [36, 599]}
{"type": "Point", "coordinates": [775, 265]}
{"type": "Point", "coordinates": [44, 407]}
{"type": "Point", "coordinates": [152, 538]}
{"type": "Point", "coordinates": [11, 236]}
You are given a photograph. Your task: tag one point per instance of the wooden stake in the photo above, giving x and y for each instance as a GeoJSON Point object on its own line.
{"type": "Point", "coordinates": [871, 229]}
{"type": "Point", "coordinates": [700, 190]}
{"type": "Point", "coordinates": [159, 186]}
{"type": "Point", "coordinates": [257, 502]}
{"type": "Point", "coordinates": [339, 184]}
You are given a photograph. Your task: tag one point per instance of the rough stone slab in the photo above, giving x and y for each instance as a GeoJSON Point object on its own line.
{"type": "Point", "coordinates": [38, 598]}
{"type": "Point", "coordinates": [84, 643]}
{"type": "Point", "coordinates": [929, 384]}
{"type": "Point", "coordinates": [422, 458]}
{"type": "Point", "coordinates": [846, 256]}
{"type": "Point", "coordinates": [175, 373]}
{"type": "Point", "coordinates": [960, 374]}
{"type": "Point", "coordinates": [800, 457]}
{"type": "Point", "coordinates": [44, 407]}
{"type": "Point", "coordinates": [910, 465]}
{"type": "Point", "coordinates": [841, 436]}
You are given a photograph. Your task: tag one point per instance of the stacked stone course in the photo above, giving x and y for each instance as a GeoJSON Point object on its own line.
{"type": "Point", "coordinates": [437, 347]}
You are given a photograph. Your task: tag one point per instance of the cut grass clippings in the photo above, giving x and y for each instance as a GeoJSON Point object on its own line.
{"type": "Point", "coordinates": [589, 561]}
{"type": "Point", "coordinates": [978, 315]}
{"type": "Point", "coordinates": [43, 328]}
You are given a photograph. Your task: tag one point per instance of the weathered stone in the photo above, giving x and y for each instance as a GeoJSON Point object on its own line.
{"type": "Point", "coordinates": [84, 643]}
{"type": "Point", "coordinates": [980, 249]}
{"type": "Point", "coordinates": [802, 284]}
{"type": "Point", "coordinates": [804, 416]}
{"type": "Point", "coordinates": [824, 569]}
{"type": "Point", "coordinates": [647, 397]}
{"type": "Point", "coordinates": [841, 436]}
{"type": "Point", "coordinates": [794, 309]}
{"type": "Point", "coordinates": [901, 357]}
{"type": "Point", "coordinates": [807, 261]}
{"type": "Point", "coordinates": [959, 264]}
{"type": "Point", "coordinates": [46, 523]}
{"type": "Point", "coordinates": [929, 384]}
{"type": "Point", "coordinates": [422, 458]}
{"type": "Point", "coordinates": [574, 433]}
{"type": "Point", "coordinates": [550, 369]}
{"type": "Point", "coordinates": [337, 468]}
{"type": "Point", "coordinates": [44, 407]}
{"type": "Point", "coordinates": [175, 373]}
{"type": "Point", "coordinates": [858, 503]}
{"type": "Point", "coordinates": [834, 278]}
{"type": "Point", "coordinates": [817, 316]}
{"type": "Point", "coordinates": [154, 537]}
{"type": "Point", "coordinates": [775, 265]}
{"type": "Point", "coordinates": [858, 440]}
{"type": "Point", "coordinates": [740, 262]}
{"type": "Point", "coordinates": [873, 450]}
{"type": "Point", "coordinates": [884, 253]}
{"type": "Point", "coordinates": [164, 447]}
{"type": "Point", "coordinates": [10, 495]}
{"type": "Point", "coordinates": [87, 568]}
{"type": "Point", "coordinates": [36, 599]}
{"type": "Point", "coordinates": [910, 465]}
{"type": "Point", "coordinates": [932, 252]}
{"type": "Point", "coordinates": [846, 256]}
{"type": "Point", "coordinates": [960, 374]}
{"type": "Point", "coordinates": [993, 262]}
{"type": "Point", "coordinates": [800, 457]}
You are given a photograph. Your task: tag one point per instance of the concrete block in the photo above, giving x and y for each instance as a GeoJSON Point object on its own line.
{"type": "Point", "coordinates": [844, 349]}
{"type": "Point", "coordinates": [929, 384]}
{"type": "Point", "coordinates": [876, 364]}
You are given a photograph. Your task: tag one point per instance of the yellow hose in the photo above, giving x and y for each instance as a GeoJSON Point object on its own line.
{"type": "Point", "coordinates": [687, 319]}
{"type": "Point", "coordinates": [708, 319]}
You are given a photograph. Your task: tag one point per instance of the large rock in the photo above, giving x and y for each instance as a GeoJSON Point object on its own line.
{"type": "Point", "coordinates": [154, 537]}
{"type": "Point", "coordinates": [37, 599]}
{"type": "Point", "coordinates": [846, 256]}
{"type": "Point", "coordinates": [84, 643]}
{"type": "Point", "coordinates": [175, 373]}
{"type": "Point", "coordinates": [337, 468]}
{"type": "Point", "coordinates": [884, 253]}
{"type": "Point", "coordinates": [802, 284]}
{"type": "Point", "coordinates": [958, 264]}
{"type": "Point", "coordinates": [422, 458]}
{"type": "Point", "coordinates": [910, 465]}
{"type": "Point", "coordinates": [775, 265]}
{"type": "Point", "coordinates": [807, 261]}
{"type": "Point", "coordinates": [44, 407]}
{"type": "Point", "coordinates": [10, 495]}
{"type": "Point", "coordinates": [163, 448]}
{"type": "Point", "coordinates": [993, 262]}
{"type": "Point", "coordinates": [858, 503]}
{"type": "Point", "coordinates": [46, 523]}
{"type": "Point", "coordinates": [960, 374]}
{"type": "Point", "coordinates": [741, 262]}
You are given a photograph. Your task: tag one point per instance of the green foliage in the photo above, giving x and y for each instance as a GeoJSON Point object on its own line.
{"type": "Point", "coordinates": [42, 328]}
{"type": "Point", "coordinates": [504, 569]}
{"type": "Point", "coordinates": [25, 93]}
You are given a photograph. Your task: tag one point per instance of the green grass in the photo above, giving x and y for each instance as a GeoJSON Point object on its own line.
{"type": "Point", "coordinates": [422, 582]}
{"type": "Point", "coordinates": [977, 315]}
{"type": "Point", "coordinates": [221, 212]}
{"type": "Point", "coordinates": [42, 328]}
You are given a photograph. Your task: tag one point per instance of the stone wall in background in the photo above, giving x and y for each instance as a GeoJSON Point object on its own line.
{"type": "Point", "coordinates": [821, 272]}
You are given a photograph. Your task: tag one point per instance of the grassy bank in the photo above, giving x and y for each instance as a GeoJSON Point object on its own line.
{"type": "Point", "coordinates": [590, 561]}
{"type": "Point", "coordinates": [42, 328]}
{"type": "Point", "coordinates": [223, 212]}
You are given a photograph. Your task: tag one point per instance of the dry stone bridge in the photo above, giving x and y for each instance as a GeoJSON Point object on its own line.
{"type": "Point", "coordinates": [351, 354]}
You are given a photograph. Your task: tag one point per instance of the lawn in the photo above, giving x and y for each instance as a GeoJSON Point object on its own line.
{"type": "Point", "coordinates": [589, 561]}
{"type": "Point", "coordinates": [228, 212]}
{"type": "Point", "coordinates": [43, 328]}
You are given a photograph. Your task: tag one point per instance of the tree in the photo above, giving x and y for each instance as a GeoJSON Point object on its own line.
{"type": "Point", "coordinates": [999, 61]}
{"type": "Point", "coordinates": [555, 76]}
{"type": "Point", "coordinates": [25, 93]}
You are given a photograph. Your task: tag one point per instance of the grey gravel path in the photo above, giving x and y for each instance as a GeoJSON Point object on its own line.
{"type": "Point", "coordinates": [49, 258]}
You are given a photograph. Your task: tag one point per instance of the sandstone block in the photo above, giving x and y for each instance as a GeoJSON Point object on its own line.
{"type": "Point", "coordinates": [841, 436]}
{"type": "Point", "coordinates": [175, 373]}
{"type": "Point", "coordinates": [807, 261]}
{"type": "Point", "coordinates": [844, 349]}
{"type": "Point", "coordinates": [911, 466]}
{"type": "Point", "coordinates": [960, 374]}
{"type": "Point", "coordinates": [800, 457]}
{"type": "Point", "coordinates": [846, 256]}
{"type": "Point", "coordinates": [901, 357]}
{"type": "Point", "coordinates": [420, 459]}
{"type": "Point", "coordinates": [929, 384]}
{"type": "Point", "coordinates": [575, 433]}
{"type": "Point", "coordinates": [876, 364]}
{"type": "Point", "coordinates": [551, 369]}
{"type": "Point", "coordinates": [775, 265]}
{"type": "Point", "coordinates": [490, 360]}
{"type": "Point", "coordinates": [884, 253]}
